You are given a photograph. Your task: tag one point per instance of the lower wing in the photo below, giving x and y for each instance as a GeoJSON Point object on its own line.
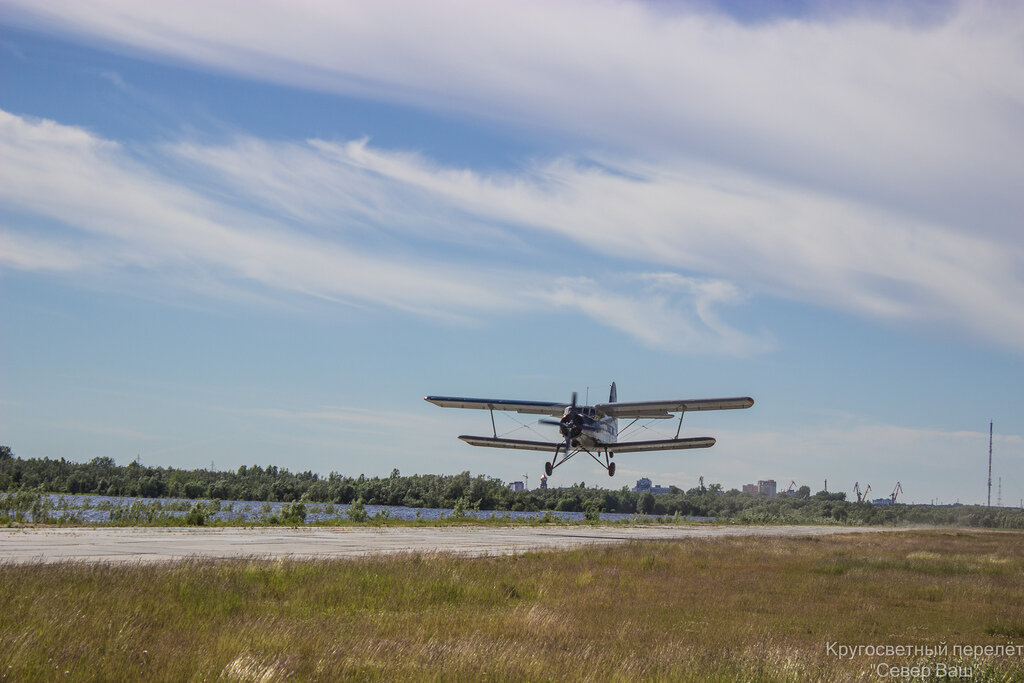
{"type": "Point", "coordinates": [495, 442]}
{"type": "Point", "coordinates": [620, 447]}
{"type": "Point", "coordinates": [662, 445]}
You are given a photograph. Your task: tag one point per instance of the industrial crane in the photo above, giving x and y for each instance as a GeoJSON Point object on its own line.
{"type": "Point", "coordinates": [895, 492]}
{"type": "Point", "coordinates": [861, 495]}
{"type": "Point", "coordinates": [792, 487]}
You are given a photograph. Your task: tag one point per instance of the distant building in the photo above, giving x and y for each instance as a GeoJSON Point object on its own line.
{"type": "Point", "coordinates": [517, 486]}
{"type": "Point", "coordinates": [644, 485]}
{"type": "Point", "coordinates": [543, 482]}
{"type": "Point", "coordinates": [766, 487]}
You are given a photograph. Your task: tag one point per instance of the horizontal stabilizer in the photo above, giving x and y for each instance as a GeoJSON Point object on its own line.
{"type": "Point", "coordinates": [662, 445]}
{"type": "Point", "coordinates": [522, 444]}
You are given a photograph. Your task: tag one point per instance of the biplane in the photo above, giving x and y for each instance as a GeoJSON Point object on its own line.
{"type": "Point", "coordinates": [593, 430]}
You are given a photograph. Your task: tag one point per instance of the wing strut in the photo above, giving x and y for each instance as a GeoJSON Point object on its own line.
{"type": "Point", "coordinates": [681, 413]}
{"type": "Point", "coordinates": [493, 428]}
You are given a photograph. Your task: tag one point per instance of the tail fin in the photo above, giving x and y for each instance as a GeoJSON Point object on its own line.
{"type": "Point", "coordinates": [612, 397]}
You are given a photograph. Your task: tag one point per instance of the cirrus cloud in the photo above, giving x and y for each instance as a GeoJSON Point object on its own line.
{"type": "Point", "coordinates": [871, 162]}
{"type": "Point", "coordinates": [124, 215]}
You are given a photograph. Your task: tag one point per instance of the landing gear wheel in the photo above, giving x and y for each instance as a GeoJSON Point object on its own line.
{"type": "Point", "coordinates": [547, 469]}
{"type": "Point", "coordinates": [611, 470]}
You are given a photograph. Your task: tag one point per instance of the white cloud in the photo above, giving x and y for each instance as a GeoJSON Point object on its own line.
{"type": "Point", "coordinates": [911, 114]}
{"type": "Point", "coordinates": [656, 318]}
{"type": "Point", "coordinates": [870, 162]}
{"type": "Point", "coordinates": [23, 252]}
{"type": "Point", "coordinates": [769, 235]}
{"type": "Point", "coordinates": [141, 219]}
{"type": "Point", "coordinates": [259, 217]}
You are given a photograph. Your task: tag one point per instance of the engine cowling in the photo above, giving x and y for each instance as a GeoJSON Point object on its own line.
{"type": "Point", "coordinates": [571, 424]}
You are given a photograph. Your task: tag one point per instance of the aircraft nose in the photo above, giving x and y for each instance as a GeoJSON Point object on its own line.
{"type": "Point", "coordinates": [572, 424]}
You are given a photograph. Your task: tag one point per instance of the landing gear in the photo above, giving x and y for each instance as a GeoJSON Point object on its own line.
{"type": "Point", "coordinates": [549, 467]}
{"type": "Point", "coordinates": [607, 463]}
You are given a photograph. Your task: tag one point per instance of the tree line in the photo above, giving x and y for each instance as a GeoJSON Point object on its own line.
{"type": "Point", "coordinates": [102, 476]}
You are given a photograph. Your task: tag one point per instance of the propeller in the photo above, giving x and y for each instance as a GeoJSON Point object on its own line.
{"type": "Point", "coordinates": [571, 424]}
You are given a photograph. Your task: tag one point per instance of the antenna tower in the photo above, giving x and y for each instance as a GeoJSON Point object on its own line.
{"type": "Point", "coordinates": [990, 464]}
{"type": "Point", "coordinates": [999, 497]}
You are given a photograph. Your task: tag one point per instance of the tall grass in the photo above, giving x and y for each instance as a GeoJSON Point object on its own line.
{"type": "Point", "coordinates": [722, 609]}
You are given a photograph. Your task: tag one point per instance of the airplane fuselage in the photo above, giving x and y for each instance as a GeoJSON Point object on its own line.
{"type": "Point", "coordinates": [588, 430]}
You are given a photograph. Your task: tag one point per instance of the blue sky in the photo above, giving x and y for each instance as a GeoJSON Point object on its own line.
{"type": "Point", "coordinates": [261, 232]}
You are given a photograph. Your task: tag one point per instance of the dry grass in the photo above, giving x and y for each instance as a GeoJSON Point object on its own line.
{"type": "Point", "coordinates": [722, 609]}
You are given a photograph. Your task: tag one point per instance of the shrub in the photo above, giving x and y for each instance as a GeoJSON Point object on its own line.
{"type": "Point", "coordinates": [356, 511]}
{"type": "Point", "coordinates": [293, 513]}
{"type": "Point", "coordinates": [197, 515]}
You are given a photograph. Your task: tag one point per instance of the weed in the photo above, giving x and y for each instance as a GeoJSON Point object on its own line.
{"type": "Point", "coordinates": [692, 610]}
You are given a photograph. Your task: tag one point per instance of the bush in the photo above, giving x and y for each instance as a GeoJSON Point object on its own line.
{"type": "Point", "coordinates": [197, 515]}
{"type": "Point", "coordinates": [356, 511]}
{"type": "Point", "coordinates": [293, 513]}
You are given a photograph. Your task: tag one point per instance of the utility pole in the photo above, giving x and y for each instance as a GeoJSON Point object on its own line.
{"type": "Point", "coordinates": [999, 497]}
{"type": "Point", "coordinates": [990, 464]}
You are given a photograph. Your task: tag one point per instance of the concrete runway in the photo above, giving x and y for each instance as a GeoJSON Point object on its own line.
{"type": "Point", "coordinates": [155, 544]}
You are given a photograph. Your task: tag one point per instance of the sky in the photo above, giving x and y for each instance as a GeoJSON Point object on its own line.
{"type": "Point", "coordinates": [261, 232]}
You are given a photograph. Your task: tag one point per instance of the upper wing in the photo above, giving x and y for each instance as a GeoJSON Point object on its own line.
{"type": "Point", "coordinates": [495, 442]}
{"type": "Point", "coordinates": [662, 445]}
{"type": "Point", "coordinates": [532, 407]}
{"type": "Point", "coordinates": [655, 409]}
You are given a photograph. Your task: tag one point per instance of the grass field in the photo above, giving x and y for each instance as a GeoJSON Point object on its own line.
{"type": "Point", "coordinates": [723, 609]}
